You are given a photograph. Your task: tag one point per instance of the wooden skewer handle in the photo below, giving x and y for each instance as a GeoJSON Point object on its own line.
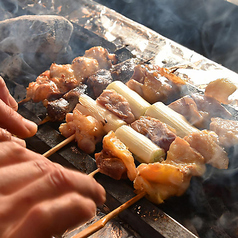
{"type": "Point", "coordinates": [102, 222]}
{"type": "Point", "coordinates": [59, 146]}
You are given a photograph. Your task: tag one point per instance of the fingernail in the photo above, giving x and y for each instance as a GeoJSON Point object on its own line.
{"type": "Point", "coordinates": [30, 126]}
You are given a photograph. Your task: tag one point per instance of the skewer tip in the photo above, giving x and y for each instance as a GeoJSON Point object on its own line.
{"type": "Point", "coordinates": [23, 101]}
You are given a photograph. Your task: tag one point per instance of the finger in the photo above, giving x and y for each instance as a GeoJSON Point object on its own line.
{"type": "Point", "coordinates": [12, 153]}
{"type": "Point", "coordinates": [54, 184]}
{"type": "Point", "coordinates": [7, 136]}
{"type": "Point", "coordinates": [17, 176]}
{"type": "Point", "coordinates": [15, 123]}
{"type": "Point", "coordinates": [53, 217]}
{"type": "Point", "coordinates": [6, 97]}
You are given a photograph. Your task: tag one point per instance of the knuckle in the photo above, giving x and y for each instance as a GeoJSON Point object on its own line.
{"type": "Point", "coordinates": [4, 135]}
{"type": "Point", "coordinates": [42, 165]}
{"type": "Point", "coordinates": [59, 180]}
{"type": "Point", "coordinates": [39, 214]}
{"type": "Point", "coordinates": [18, 150]}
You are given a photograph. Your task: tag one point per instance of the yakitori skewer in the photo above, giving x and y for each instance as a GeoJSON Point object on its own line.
{"type": "Point", "coordinates": [59, 146]}
{"type": "Point", "coordinates": [102, 222]}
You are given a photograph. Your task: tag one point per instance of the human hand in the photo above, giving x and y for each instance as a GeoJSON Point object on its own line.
{"type": "Point", "coordinates": [39, 198]}
{"type": "Point", "coordinates": [7, 136]}
{"type": "Point", "coordinates": [10, 119]}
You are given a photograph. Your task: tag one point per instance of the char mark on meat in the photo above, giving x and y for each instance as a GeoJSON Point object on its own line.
{"type": "Point", "coordinates": [58, 109]}
{"type": "Point", "coordinates": [155, 130]}
{"type": "Point", "coordinates": [116, 104]}
{"type": "Point", "coordinates": [152, 86]}
{"type": "Point", "coordinates": [98, 82]}
{"type": "Point", "coordinates": [199, 109]}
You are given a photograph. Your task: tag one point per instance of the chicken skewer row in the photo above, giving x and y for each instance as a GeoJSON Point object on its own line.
{"type": "Point", "coordinates": [59, 79]}
{"type": "Point", "coordinates": [88, 106]}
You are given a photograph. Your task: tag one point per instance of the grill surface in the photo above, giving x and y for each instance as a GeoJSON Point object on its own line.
{"type": "Point", "coordinates": [95, 25]}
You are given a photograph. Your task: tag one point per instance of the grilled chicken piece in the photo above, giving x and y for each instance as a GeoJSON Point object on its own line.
{"type": "Point", "coordinates": [152, 86]}
{"type": "Point", "coordinates": [161, 181]}
{"type": "Point", "coordinates": [220, 89]}
{"type": "Point", "coordinates": [43, 88]}
{"type": "Point", "coordinates": [88, 131]}
{"type": "Point", "coordinates": [227, 131]}
{"type": "Point", "coordinates": [98, 82]}
{"type": "Point", "coordinates": [123, 71]}
{"type": "Point", "coordinates": [155, 130]}
{"type": "Point", "coordinates": [115, 160]}
{"type": "Point", "coordinates": [55, 82]}
{"type": "Point", "coordinates": [83, 67]}
{"type": "Point", "coordinates": [206, 143]}
{"type": "Point", "coordinates": [59, 79]}
{"type": "Point", "coordinates": [58, 108]}
{"type": "Point", "coordinates": [116, 104]}
{"type": "Point", "coordinates": [199, 109]}
{"type": "Point", "coordinates": [181, 153]}
{"type": "Point", "coordinates": [105, 60]}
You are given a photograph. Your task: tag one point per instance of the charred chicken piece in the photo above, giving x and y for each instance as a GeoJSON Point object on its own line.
{"type": "Point", "coordinates": [115, 160]}
{"type": "Point", "coordinates": [98, 82]}
{"type": "Point", "coordinates": [220, 89]}
{"type": "Point", "coordinates": [206, 143]}
{"type": "Point", "coordinates": [123, 71]}
{"type": "Point", "coordinates": [150, 84]}
{"type": "Point", "coordinates": [161, 181]}
{"type": "Point", "coordinates": [88, 131]}
{"type": "Point", "coordinates": [155, 130]}
{"type": "Point", "coordinates": [59, 79]}
{"type": "Point", "coordinates": [227, 131]}
{"type": "Point", "coordinates": [104, 59]}
{"type": "Point", "coordinates": [83, 67]}
{"type": "Point", "coordinates": [43, 88]}
{"type": "Point", "coordinates": [57, 109]}
{"type": "Point", "coordinates": [181, 153]}
{"type": "Point", "coordinates": [199, 109]}
{"type": "Point", "coordinates": [116, 104]}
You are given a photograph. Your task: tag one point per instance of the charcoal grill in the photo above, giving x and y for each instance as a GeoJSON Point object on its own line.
{"type": "Point", "coordinates": [195, 214]}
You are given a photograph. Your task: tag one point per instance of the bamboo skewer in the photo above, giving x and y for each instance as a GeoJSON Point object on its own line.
{"type": "Point", "coordinates": [46, 119]}
{"type": "Point", "coordinates": [102, 222]}
{"type": "Point", "coordinates": [25, 100]}
{"type": "Point", "coordinates": [94, 172]}
{"type": "Point", "coordinates": [59, 146]}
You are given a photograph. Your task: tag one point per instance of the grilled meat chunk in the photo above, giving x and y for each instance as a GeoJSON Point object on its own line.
{"type": "Point", "coordinates": [123, 71]}
{"type": "Point", "coordinates": [161, 181]}
{"type": "Point", "coordinates": [206, 143]}
{"type": "Point", "coordinates": [116, 104]}
{"type": "Point", "coordinates": [152, 86]}
{"type": "Point", "coordinates": [98, 82]}
{"type": "Point", "coordinates": [227, 131]}
{"type": "Point", "coordinates": [155, 130]}
{"type": "Point", "coordinates": [58, 108]}
{"type": "Point", "coordinates": [181, 153]}
{"type": "Point", "coordinates": [113, 156]}
{"type": "Point", "coordinates": [104, 59]}
{"type": "Point", "coordinates": [88, 131]}
{"type": "Point", "coordinates": [220, 89]}
{"type": "Point", "coordinates": [199, 109]}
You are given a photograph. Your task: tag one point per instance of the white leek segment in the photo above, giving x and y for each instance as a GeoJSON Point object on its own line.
{"type": "Point", "coordinates": [88, 106]}
{"type": "Point", "coordinates": [170, 117]}
{"type": "Point", "coordinates": [137, 103]}
{"type": "Point", "coordinates": [141, 146]}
